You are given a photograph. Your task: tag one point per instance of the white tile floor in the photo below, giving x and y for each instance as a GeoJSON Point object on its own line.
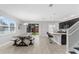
{"type": "Point", "coordinates": [41, 46]}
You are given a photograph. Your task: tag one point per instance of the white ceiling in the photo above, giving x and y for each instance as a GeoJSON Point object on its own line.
{"type": "Point", "coordinates": [28, 12]}
{"type": "Point", "coordinates": [36, 12]}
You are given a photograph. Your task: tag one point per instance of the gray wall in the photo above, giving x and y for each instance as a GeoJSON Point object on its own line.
{"type": "Point", "coordinates": [43, 28]}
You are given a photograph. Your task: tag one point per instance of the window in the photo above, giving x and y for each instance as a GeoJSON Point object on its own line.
{"type": "Point", "coordinates": [7, 25]}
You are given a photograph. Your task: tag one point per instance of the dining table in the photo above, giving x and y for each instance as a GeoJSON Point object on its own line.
{"type": "Point", "coordinates": [22, 39]}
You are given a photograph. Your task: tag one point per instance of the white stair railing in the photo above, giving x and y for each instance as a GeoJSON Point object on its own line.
{"type": "Point", "coordinates": [73, 28]}
{"type": "Point", "coordinates": [73, 35]}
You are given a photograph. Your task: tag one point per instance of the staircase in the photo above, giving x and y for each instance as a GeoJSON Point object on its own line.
{"type": "Point", "coordinates": [73, 39]}
{"type": "Point", "coordinates": [75, 49]}
{"type": "Point", "coordinates": [72, 52]}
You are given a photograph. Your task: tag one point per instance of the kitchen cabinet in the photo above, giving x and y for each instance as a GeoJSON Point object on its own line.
{"type": "Point", "coordinates": [63, 39]}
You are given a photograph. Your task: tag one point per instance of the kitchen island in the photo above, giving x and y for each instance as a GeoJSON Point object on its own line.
{"type": "Point", "coordinates": [59, 38]}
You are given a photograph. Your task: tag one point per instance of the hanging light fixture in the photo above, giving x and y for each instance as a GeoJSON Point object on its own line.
{"type": "Point", "coordinates": [50, 5]}
{"type": "Point", "coordinates": [25, 23]}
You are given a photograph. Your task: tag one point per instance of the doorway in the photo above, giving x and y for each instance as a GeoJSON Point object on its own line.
{"type": "Point", "coordinates": [33, 28]}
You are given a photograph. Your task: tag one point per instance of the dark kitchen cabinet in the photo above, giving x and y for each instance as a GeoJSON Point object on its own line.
{"type": "Point", "coordinates": [63, 40]}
